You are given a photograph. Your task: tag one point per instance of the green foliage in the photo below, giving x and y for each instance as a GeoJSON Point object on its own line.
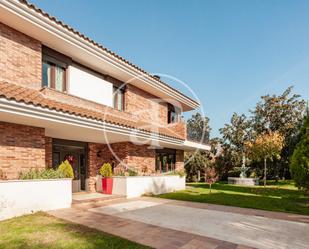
{"type": "Point", "coordinates": [132, 172]}
{"type": "Point", "coordinates": [194, 163]}
{"type": "Point", "coordinates": [198, 128]}
{"type": "Point", "coordinates": [234, 136]}
{"type": "Point", "coordinates": [66, 169]}
{"type": "Point", "coordinates": [300, 159]}
{"type": "Point", "coordinates": [40, 174]}
{"type": "Point", "coordinates": [106, 170]}
{"type": "Point", "coordinates": [180, 172]}
{"type": "Point", "coordinates": [281, 113]}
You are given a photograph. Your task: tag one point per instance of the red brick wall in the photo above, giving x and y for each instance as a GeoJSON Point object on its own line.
{"type": "Point", "coordinates": [146, 106]}
{"type": "Point", "coordinates": [20, 58]}
{"type": "Point", "coordinates": [179, 159]}
{"type": "Point", "coordinates": [179, 129]}
{"type": "Point", "coordinates": [136, 157]}
{"type": "Point", "coordinates": [48, 152]}
{"type": "Point", "coordinates": [21, 148]}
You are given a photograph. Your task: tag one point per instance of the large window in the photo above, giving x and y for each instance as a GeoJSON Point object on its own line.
{"type": "Point", "coordinates": [118, 98]}
{"type": "Point", "coordinates": [54, 76]}
{"type": "Point", "coordinates": [165, 160]}
{"type": "Point", "coordinates": [54, 67]}
{"type": "Point", "coordinates": [173, 114]}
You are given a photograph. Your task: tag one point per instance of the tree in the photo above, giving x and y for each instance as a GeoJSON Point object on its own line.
{"type": "Point", "coordinates": [300, 159]}
{"type": "Point", "coordinates": [266, 146]}
{"type": "Point", "coordinates": [195, 163]}
{"type": "Point", "coordinates": [234, 136]}
{"type": "Point", "coordinates": [282, 113]}
{"type": "Point", "coordinates": [211, 175]}
{"type": "Point", "coordinates": [198, 128]}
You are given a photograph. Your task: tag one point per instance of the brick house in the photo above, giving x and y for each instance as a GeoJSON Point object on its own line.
{"type": "Point", "coordinates": [62, 94]}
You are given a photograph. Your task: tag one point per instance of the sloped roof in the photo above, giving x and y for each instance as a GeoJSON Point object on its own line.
{"type": "Point", "coordinates": [104, 113]}
{"type": "Point", "coordinates": [58, 22]}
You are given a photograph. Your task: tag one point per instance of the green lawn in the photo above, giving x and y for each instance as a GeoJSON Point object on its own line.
{"type": "Point", "coordinates": [282, 196]}
{"type": "Point", "coordinates": [41, 230]}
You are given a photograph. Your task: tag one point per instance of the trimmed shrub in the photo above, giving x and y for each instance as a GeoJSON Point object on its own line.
{"type": "Point", "coordinates": [66, 170]}
{"type": "Point", "coordinates": [300, 159]}
{"type": "Point", "coordinates": [132, 172]}
{"type": "Point", "coordinates": [180, 172]}
{"type": "Point", "coordinates": [106, 170]}
{"type": "Point", "coordinates": [40, 174]}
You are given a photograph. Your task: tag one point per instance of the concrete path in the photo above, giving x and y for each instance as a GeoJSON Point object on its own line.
{"type": "Point", "coordinates": [182, 225]}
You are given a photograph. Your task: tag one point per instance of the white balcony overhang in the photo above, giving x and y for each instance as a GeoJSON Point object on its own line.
{"type": "Point", "coordinates": [63, 125]}
{"type": "Point", "coordinates": [32, 23]}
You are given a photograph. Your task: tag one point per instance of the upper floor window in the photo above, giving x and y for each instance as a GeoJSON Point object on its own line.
{"type": "Point", "coordinates": [118, 98]}
{"type": "Point", "coordinates": [54, 69]}
{"type": "Point", "coordinates": [173, 114]}
{"type": "Point", "coordinates": [54, 76]}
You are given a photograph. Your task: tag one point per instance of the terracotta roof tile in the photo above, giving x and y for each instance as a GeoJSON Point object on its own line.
{"type": "Point", "coordinates": [54, 19]}
{"type": "Point", "coordinates": [31, 96]}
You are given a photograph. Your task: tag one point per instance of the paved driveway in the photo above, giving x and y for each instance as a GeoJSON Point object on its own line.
{"type": "Point", "coordinates": [248, 230]}
{"type": "Point", "coordinates": [163, 224]}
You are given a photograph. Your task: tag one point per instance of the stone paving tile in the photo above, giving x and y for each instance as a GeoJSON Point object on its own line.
{"type": "Point", "coordinates": [150, 235]}
{"type": "Point", "coordinates": [244, 247]}
{"type": "Point", "coordinates": [159, 237]}
{"type": "Point", "coordinates": [231, 209]}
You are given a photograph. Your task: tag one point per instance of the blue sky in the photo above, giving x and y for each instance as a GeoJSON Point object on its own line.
{"type": "Point", "coordinates": [228, 52]}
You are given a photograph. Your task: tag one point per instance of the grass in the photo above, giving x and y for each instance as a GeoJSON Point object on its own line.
{"type": "Point", "coordinates": [41, 230]}
{"type": "Point", "coordinates": [282, 196]}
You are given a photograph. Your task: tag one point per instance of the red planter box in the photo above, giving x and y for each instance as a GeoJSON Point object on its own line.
{"type": "Point", "coordinates": [107, 185]}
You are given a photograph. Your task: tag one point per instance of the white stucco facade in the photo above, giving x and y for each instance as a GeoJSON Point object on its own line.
{"type": "Point", "coordinates": [88, 85]}
{"type": "Point", "coordinates": [19, 197]}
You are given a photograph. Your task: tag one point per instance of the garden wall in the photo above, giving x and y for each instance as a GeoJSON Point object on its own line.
{"type": "Point", "coordinates": [19, 197]}
{"type": "Point", "coordinates": [135, 186]}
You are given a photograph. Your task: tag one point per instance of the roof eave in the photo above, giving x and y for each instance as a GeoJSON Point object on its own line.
{"type": "Point", "coordinates": [35, 23]}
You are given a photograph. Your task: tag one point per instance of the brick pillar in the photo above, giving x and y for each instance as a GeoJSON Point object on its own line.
{"type": "Point", "coordinates": [48, 152]}
{"type": "Point", "coordinates": [91, 169]}
{"type": "Point", "coordinates": [179, 160]}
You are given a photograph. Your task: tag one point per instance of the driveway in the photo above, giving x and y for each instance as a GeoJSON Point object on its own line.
{"type": "Point", "coordinates": [236, 228]}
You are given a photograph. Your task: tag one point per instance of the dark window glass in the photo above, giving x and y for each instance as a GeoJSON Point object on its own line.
{"type": "Point", "coordinates": [172, 114]}
{"type": "Point", "coordinates": [53, 74]}
{"type": "Point", "coordinates": [118, 98]}
{"type": "Point", "coordinates": [59, 78]}
{"type": "Point", "coordinates": [46, 74]}
{"type": "Point", "coordinates": [165, 160]}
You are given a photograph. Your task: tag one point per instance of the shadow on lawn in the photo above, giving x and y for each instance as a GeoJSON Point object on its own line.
{"type": "Point", "coordinates": [267, 191]}
{"type": "Point", "coordinates": [271, 203]}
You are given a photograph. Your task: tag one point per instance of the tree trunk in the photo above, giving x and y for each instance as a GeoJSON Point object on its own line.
{"type": "Point", "coordinates": [210, 188]}
{"type": "Point", "coordinates": [265, 171]}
